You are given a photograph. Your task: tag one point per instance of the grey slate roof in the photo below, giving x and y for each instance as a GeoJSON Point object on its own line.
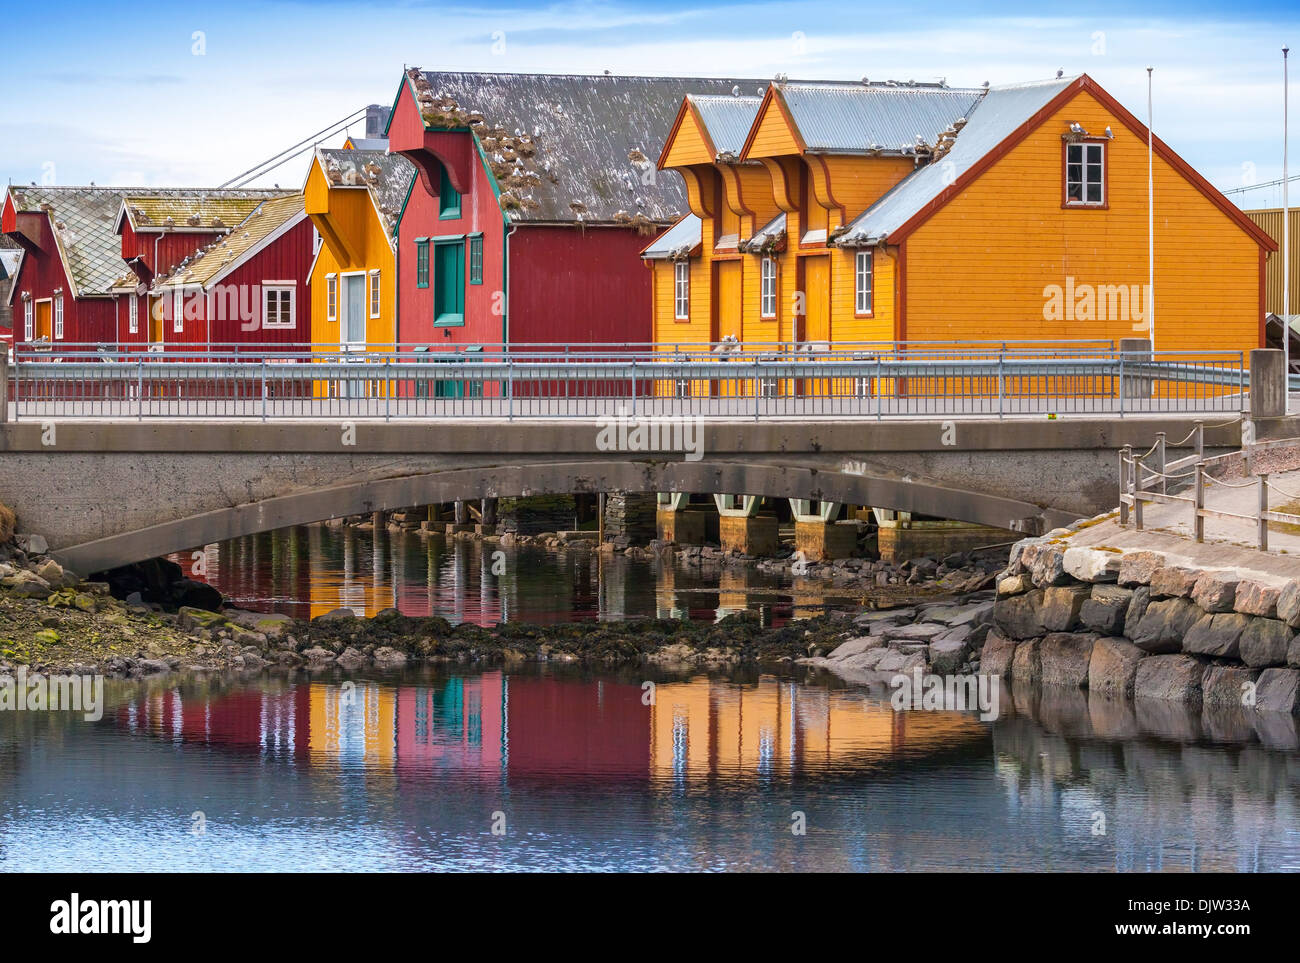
{"type": "Point", "coordinates": [727, 119]}
{"type": "Point", "coordinates": [991, 121]}
{"type": "Point", "coordinates": [83, 219]}
{"type": "Point", "coordinates": [388, 177]}
{"type": "Point", "coordinates": [850, 118]}
{"type": "Point", "coordinates": [582, 147]}
{"type": "Point", "coordinates": [678, 241]}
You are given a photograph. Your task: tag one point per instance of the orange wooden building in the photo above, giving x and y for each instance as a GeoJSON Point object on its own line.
{"type": "Point", "coordinates": [828, 213]}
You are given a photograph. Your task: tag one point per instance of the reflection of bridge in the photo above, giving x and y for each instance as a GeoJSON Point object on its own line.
{"type": "Point", "coordinates": [107, 489]}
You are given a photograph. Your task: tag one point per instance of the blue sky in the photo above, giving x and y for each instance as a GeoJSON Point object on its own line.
{"type": "Point", "coordinates": [127, 95]}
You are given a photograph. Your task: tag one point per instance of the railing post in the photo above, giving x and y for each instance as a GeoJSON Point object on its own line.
{"type": "Point", "coordinates": [1263, 508]}
{"type": "Point", "coordinates": [1002, 386]}
{"type": "Point", "coordinates": [1198, 503]}
{"type": "Point", "coordinates": [264, 391]}
{"type": "Point", "coordinates": [1268, 387]}
{"type": "Point", "coordinates": [1161, 460]}
{"type": "Point", "coordinates": [510, 390]}
{"type": "Point", "coordinates": [633, 384]}
{"type": "Point", "coordinates": [1125, 455]}
{"type": "Point", "coordinates": [139, 390]}
{"type": "Point", "coordinates": [1135, 486]}
{"type": "Point", "coordinates": [387, 392]}
{"type": "Point", "coordinates": [1198, 440]}
{"type": "Point", "coordinates": [1121, 385]}
{"type": "Point", "coordinates": [4, 385]}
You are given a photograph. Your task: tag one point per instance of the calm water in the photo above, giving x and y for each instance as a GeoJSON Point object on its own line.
{"type": "Point", "coordinates": [312, 569]}
{"type": "Point", "coordinates": [412, 772]}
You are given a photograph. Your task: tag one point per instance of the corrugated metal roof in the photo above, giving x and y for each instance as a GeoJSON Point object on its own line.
{"type": "Point", "coordinates": [727, 119]}
{"type": "Point", "coordinates": [369, 143]}
{"type": "Point", "coordinates": [205, 265]}
{"type": "Point", "coordinates": [388, 177]}
{"type": "Point", "coordinates": [768, 236]}
{"type": "Point", "coordinates": [679, 239]}
{"type": "Point", "coordinates": [850, 118]}
{"type": "Point", "coordinates": [995, 118]}
{"type": "Point", "coordinates": [83, 219]}
{"type": "Point", "coordinates": [571, 148]}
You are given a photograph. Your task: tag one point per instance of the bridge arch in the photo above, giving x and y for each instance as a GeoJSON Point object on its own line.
{"type": "Point", "coordinates": [384, 494]}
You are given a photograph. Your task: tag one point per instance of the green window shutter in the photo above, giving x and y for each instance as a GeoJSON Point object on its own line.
{"type": "Point", "coordinates": [476, 260]}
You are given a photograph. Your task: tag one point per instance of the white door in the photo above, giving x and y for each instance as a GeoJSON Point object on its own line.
{"type": "Point", "coordinates": [354, 310]}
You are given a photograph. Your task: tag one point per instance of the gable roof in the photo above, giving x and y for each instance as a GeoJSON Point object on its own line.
{"type": "Point", "coordinates": [726, 120]}
{"type": "Point", "coordinates": [569, 148]}
{"type": "Point", "coordinates": [388, 178]}
{"type": "Point", "coordinates": [82, 223]}
{"type": "Point", "coordinates": [272, 218]}
{"type": "Point", "coordinates": [1004, 117]}
{"type": "Point", "coordinates": [200, 210]}
{"type": "Point", "coordinates": [366, 143]}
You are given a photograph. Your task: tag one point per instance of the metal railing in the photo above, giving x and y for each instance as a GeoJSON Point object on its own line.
{"type": "Point", "coordinates": [1148, 478]}
{"type": "Point", "coordinates": [884, 381]}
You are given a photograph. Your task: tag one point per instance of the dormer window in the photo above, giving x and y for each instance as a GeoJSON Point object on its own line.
{"type": "Point", "coordinates": [1085, 173]}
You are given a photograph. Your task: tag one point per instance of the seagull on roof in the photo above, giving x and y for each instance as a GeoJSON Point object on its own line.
{"type": "Point", "coordinates": [1059, 73]}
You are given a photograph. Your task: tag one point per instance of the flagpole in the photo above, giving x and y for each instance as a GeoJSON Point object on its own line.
{"type": "Point", "coordinates": [1151, 225]}
{"type": "Point", "coordinates": [1286, 235]}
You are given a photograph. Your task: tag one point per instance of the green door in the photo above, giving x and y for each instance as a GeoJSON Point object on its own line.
{"type": "Point", "coordinates": [449, 284]}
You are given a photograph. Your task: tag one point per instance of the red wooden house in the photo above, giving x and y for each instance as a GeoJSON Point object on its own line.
{"type": "Point", "coordinates": [61, 290]}
{"type": "Point", "coordinates": [247, 288]}
{"type": "Point", "coordinates": [535, 196]}
{"type": "Point", "coordinates": [159, 230]}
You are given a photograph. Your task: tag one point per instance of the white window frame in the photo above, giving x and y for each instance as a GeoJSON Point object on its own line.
{"type": "Point", "coordinates": [682, 290]}
{"type": "Point", "coordinates": [133, 314]}
{"type": "Point", "coordinates": [374, 294]}
{"type": "Point", "coordinates": [29, 320]}
{"type": "Point", "coordinates": [332, 297]}
{"type": "Point", "coordinates": [58, 317]}
{"type": "Point", "coordinates": [767, 288]}
{"type": "Point", "coordinates": [863, 278]}
{"type": "Point", "coordinates": [1084, 149]}
{"type": "Point", "coordinates": [178, 311]}
{"type": "Point", "coordinates": [276, 287]}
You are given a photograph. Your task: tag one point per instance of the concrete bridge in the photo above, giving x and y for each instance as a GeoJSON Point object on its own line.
{"type": "Point", "coordinates": [106, 492]}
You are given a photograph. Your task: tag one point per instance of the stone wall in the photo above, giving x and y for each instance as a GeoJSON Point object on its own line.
{"type": "Point", "coordinates": [630, 516]}
{"type": "Point", "coordinates": [1137, 624]}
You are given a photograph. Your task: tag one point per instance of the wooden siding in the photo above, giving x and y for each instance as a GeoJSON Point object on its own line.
{"type": "Point", "coordinates": [1271, 221]}
{"type": "Point", "coordinates": [978, 267]}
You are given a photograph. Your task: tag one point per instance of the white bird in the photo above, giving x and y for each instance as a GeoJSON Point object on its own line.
{"type": "Point", "coordinates": [1076, 128]}
{"type": "Point", "coordinates": [1059, 73]}
{"type": "Point", "coordinates": [735, 91]}
{"type": "Point", "coordinates": [1109, 132]}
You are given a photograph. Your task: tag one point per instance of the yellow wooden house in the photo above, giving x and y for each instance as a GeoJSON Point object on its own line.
{"type": "Point", "coordinates": [841, 213]}
{"type": "Point", "coordinates": [355, 199]}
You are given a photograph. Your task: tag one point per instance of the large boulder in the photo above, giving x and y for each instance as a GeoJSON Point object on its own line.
{"type": "Point", "coordinates": [1216, 635]}
{"type": "Point", "coordinates": [194, 619]}
{"type": "Point", "coordinates": [916, 632]}
{"type": "Point", "coordinates": [1137, 568]}
{"type": "Point", "coordinates": [1164, 625]}
{"type": "Point", "coordinates": [1026, 663]}
{"type": "Point", "coordinates": [856, 646]}
{"type": "Point", "coordinates": [996, 656]}
{"type": "Point", "coordinates": [1019, 616]}
{"type": "Point", "coordinates": [1256, 598]}
{"type": "Point", "coordinates": [1137, 608]}
{"type": "Point", "coordinates": [1265, 642]}
{"type": "Point", "coordinates": [1113, 665]}
{"type": "Point", "coordinates": [1215, 591]}
{"type": "Point", "coordinates": [1061, 605]}
{"type": "Point", "coordinates": [1104, 611]}
{"type": "Point", "coordinates": [1175, 678]}
{"type": "Point", "coordinates": [896, 661]}
{"type": "Point", "coordinates": [1049, 566]}
{"type": "Point", "coordinates": [1091, 564]}
{"type": "Point", "coordinates": [947, 656]}
{"type": "Point", "coordinates": [1278, 690]}
{"type": "Point", "coordinates": [1225, 685]}
{"type": "Point", "coordinates": [1288, 604]}
{"type": "Point", "coordinates": [1065, 658]}
{"type": "Point", "coordinates": [1173, 581]}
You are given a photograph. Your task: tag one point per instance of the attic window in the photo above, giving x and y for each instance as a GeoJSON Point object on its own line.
{"type": "Point", "coordinates": [1085, 173]}
{"type": "Point", "coordinates": [448, 198]}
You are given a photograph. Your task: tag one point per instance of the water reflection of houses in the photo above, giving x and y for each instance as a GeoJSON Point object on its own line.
{"type": "Point", "coordinates": [540, 727]}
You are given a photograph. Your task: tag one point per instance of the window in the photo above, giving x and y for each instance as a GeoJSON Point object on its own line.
{"type": "Point", "coordinates": [29, 320]}
{"type": "Point", "coordinates": [767, 288]}
{"type": "Point", "coordinates": [178, 310]}
{"type": "Point", "coordinates": [448, 198]}
{"type": "Point", "coordinates": [374, 294]}
{"type": "Point", "coordinates": [58, 316]}
{"type": "Point", "coordinates": [682, 290]}
{"type": "Point", "coordinates": [1085, 174]}
{"type": "Point", "coordinates": [862, 283]}
{"type": "Point", "coordinates": [421, 262]}
{"type": "Point", "coordinates": [332, 297]}
{"type": "Point", "coordinates": [476, 260]}
{"type": "Point", "coordinates": [277, 306]}
{"type": "Point", "coordinates": [449, 284]}
{"type": "Point", "coordinates": [133, 315]}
